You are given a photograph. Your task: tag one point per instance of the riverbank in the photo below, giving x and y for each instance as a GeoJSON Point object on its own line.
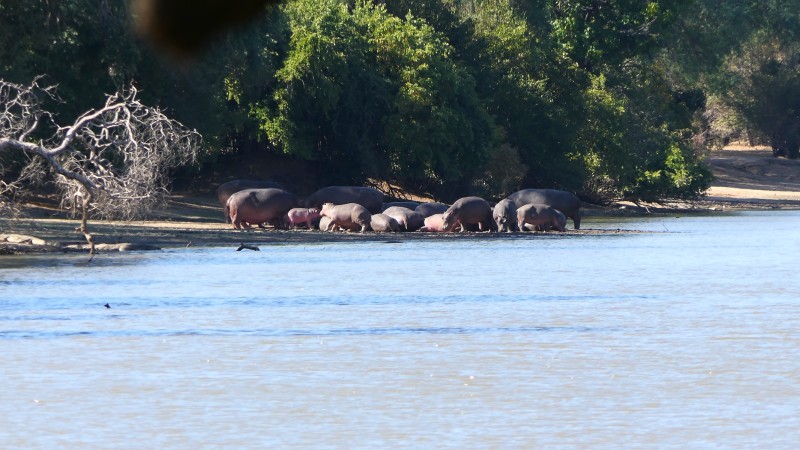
{"type": "Point", "coordinates": [746, 178]}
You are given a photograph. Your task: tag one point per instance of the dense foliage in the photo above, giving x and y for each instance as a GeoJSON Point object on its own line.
{"type": "Point", "coordinates": [606, 98]}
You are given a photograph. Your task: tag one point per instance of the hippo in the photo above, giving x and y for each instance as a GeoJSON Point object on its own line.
{"type": "Point", "coordinates": [258, 206]}
{"type": "Point", "coordinates": [431, 208]}
{"type": "Point", "coordinates": [368, 197]}
{"type": "Point", "coordinates": [296, 216]}
{"type": "Point", "coordinates": [560, 222]}
{"type": "Point", "coordinates": [505, 215]}
{"type": "Point", "coordinates": [409, 220]}
{"type": "Point", "coordinates": [324, 223]}
{"type": "Point", "coordinates": [225, 190]}
{"type": "Point", "coordinates": [564, 201]}
{"type": "Point", "coordinates": [434, 223]}
{"type": "Point", "coordinates": [407, 204]}
{"type": "Point", "coordinates": [469, 210]}
{"type": "Point", "coordinates": [541, 217]}
{"type": "Point", "coordinates": [346, 216]}
{"type": "Point", "coordinates": [383, 223]}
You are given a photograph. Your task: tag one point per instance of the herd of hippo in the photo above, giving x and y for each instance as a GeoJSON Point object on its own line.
{"type": "Point", "coordinates": [355, 208]}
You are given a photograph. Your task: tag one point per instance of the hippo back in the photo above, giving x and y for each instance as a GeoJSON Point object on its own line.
{"type": "Point", "coordinates": [431, 208]}
{"type": "Point", "coordinates": [409, 204]}
{"type": "Point", "coordinates": [368, 197]}
{"type": "Point", "coordinates": [277, 201]}
{"type": "Point", "coordinates": [225, 190]}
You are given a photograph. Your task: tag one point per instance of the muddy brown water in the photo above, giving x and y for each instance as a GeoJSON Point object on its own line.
{"type": "Point", "coordinates": [685, 335]}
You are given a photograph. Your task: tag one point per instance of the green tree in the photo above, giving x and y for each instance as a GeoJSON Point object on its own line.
{"type": "Point", "coordinates": [529, 90]}
{"type": "Point", "coordinates": [86, 46]}
{"type": "Point", "coordinates": [765, 91]}
{"type": "Point", "coordinates": [370, 95]}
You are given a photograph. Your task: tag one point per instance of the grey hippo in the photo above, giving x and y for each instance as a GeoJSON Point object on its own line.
{"type": "Point", "coordinates": [564, 201]}
{"type": "Point", "coordinates": [368, 197]}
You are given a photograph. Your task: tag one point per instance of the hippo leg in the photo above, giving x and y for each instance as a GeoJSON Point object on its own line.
{"type": "Point", "coordinates": [576, 221]}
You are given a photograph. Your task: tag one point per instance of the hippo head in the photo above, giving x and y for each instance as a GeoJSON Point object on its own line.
{"type": "Point", "coordinates": [502, 223]}
{"type": "Point", "coordinates": [447, 221]}
{"type": "Point", "coordinates": [325, 208]}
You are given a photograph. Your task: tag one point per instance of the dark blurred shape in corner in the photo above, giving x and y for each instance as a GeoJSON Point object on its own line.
{"type": "Point", "coordinates": [182, 28]}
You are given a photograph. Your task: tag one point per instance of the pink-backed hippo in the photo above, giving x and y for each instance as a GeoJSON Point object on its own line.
{"type": "Point", "coordinates": [505, 215]}
{"type": "Point", "coordinates": [258, 206]}
{"type": "Point", "coordinates": [297, 216]}
{"type": "Point", "coordinates": [368, 197]}
{"type": "Point", "coordinates": [431, 208]}
{"type": "Point", "coordinates": [434, 223]}
{"type": "Point", "coordinates": [564, 201]}
{"type": "Point", "coordinates": [406, 218]}
{"type": "Point", "coordinates": [346, 216]}
{"type": "Point", "coordinates": [405, 204]}
{"type": "Point", "coordinates": [466, 211]}
{"type": "Point", "coordinates": [382, 223]}
{"type": "Point", "coordinates": [541, 217]}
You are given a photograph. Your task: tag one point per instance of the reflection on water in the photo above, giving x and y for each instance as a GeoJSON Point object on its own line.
{"type": "Point", "coordinates": [684, 336]}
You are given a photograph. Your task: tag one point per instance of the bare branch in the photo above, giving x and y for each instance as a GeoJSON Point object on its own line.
{"type": "Point", "coordinates": [111, 162]}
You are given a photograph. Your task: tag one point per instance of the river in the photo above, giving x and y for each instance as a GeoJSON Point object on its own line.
{"type": "Point", "coordinates": [683, 334]}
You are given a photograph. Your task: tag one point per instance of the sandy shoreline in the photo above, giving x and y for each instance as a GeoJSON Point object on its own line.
{"type": "Point", "coordinates": [746, 178]}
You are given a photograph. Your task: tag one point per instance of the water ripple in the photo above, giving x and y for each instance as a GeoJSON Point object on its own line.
{"type": "Point", "coordinates": [321, 332]}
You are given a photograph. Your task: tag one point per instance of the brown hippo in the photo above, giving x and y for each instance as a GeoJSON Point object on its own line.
{"type": "Point", "coordinates": [225, 190]}
{"type": "Point", "coordinates": [434, 223]}
{"type": "Point", "coordinates": [466, 211]}
{"type": "Point", "coordinates": [540, 217]}
{"type": "Point", "coordinates": [382, 223]}
{"type": "Point", "coordinates": [296, 216]}
{"type": "Point", "coordinates": [564, 201]}
{"type": "Point", "coordinates": [368, 197]}
{"type": "Point", "coordinates": [431, 208]}
{"type": "Point", "coordinates": [408, 219]}
{"type": "Point", "coordinates": [505, 215]}
{"type": "Point", "coordinates": [258, 206]}
{"type": "Point", "coordinates": [346, 216]}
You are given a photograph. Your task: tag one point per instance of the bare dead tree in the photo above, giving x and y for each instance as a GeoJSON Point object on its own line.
{"type": "Point", "coordinates": [110, 162]}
